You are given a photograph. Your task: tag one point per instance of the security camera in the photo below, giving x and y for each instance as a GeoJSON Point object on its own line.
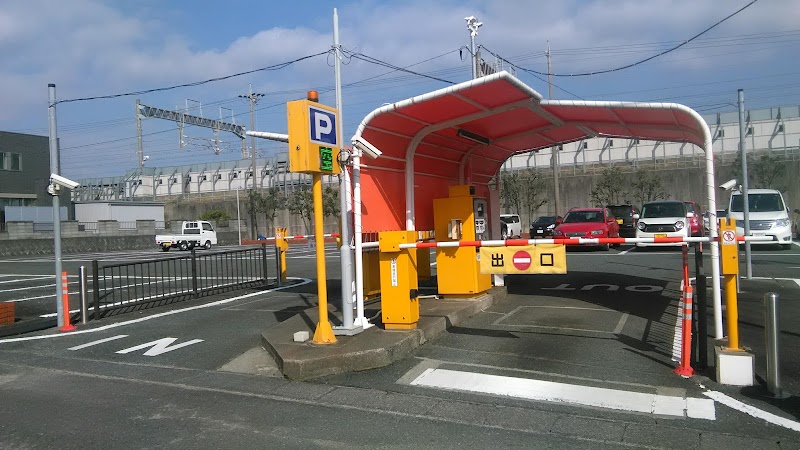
{"type": "Point", "coordinates": [363, 145]}
{"type": "Point", "coordinates": [728, 185]}
{"type": "Point", "coordinates": [58, 180]}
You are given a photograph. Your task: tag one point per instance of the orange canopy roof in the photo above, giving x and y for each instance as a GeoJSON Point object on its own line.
{"type": "Point", "coordinates": [463, 134]}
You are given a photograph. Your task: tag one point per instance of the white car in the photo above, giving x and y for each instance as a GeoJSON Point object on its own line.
{"type": "Point", "coordinates": [768, 216]}
{"type": "Point", "coordinates": [662, 219]}
{"type": "Point", "coordinates": [513, 226]}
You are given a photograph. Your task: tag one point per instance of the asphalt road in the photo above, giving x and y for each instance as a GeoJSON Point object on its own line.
{"type": "Point", "coordinates": [202, 379]}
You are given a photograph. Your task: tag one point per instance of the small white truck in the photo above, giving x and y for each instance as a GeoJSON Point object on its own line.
{"type": "Point", "coordinates": [197, 233]}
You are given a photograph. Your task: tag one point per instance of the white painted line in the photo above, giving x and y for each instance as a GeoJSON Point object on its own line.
{"type": "Point", "coordinates": [47, 277]}
{"type": "Point", "coordinates": [698, 408]}
{"type": "Point", "coordinates": [155, 316]}
{"type": "Point", "coordinates": [753, 411]}
{"type": "Point", "coordinates": [625, 251]}
{"type": "Point", "coordinates": [40, 286]}
{"type": "Point", "coordinates": [621, 323]}
{"type": "Point", "coordinates": [16, 300]}
{"type": "Point", "coordinates": [530, 389]}
{"type": "Point", "coordinates": [99, 341]}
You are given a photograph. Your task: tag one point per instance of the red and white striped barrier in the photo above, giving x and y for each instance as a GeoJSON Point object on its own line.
{"type": "Point", "coordinates": [576, 241]}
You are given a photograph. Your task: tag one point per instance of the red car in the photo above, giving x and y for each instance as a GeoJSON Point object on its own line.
{"type": "Point", "coordinates": [588, 223]}
{"type": "Point", "coordinates": [694, 218]}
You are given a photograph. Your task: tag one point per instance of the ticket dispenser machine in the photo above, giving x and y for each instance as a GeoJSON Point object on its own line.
{"type": "Point", "coordinates": [461, 217]}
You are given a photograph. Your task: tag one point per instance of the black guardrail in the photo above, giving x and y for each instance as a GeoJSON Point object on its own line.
{"type": "Point", "coordinates": [126, 287]}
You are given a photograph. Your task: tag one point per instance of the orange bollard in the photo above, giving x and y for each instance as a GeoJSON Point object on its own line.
{"type": "Point", "coordinates": [65, 303]}
{"type": "Point", "coordinates": [685, 368]}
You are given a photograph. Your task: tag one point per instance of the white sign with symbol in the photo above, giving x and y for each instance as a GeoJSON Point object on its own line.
{"type": "Point", "coordinates": [480, 226]}
{"type": "Point", "coordinates": [728, 237]}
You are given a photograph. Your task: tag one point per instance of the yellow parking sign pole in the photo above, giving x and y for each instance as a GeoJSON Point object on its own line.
{"type": "Point", "coordinates": [729, 258]}
{"type": "Point", "coordinates": [324, 333]}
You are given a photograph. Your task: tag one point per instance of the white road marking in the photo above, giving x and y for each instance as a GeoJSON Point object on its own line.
{"type": "Point", "coordinates": [99, 341]}
{"type": "Point", "coordinates": [753, 411]}
{"type": "Point", "coordinates": [155, 316]}
{"type": "Point", "coordinates": [40, 286]}
{"type": "Point", "coordinates": [625, 252]}
{"type": "Point", "coordinates": [47, 277]}
{"type": "Point", "coordinates": [566, 393]}
{"type": "Point", "coordinates": [160, 346]}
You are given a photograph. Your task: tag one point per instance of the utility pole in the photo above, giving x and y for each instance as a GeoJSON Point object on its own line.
{"type": "Point", "coordinates": [472, 26]}
{"type": "Point", "coordinates": [553, 150]}
{"type": "Point", "coordinates": [253, 98]}
{"type": "Point", "coordinates": [139, 149]}
{"type": "Point", "coordinates": [746, 204]}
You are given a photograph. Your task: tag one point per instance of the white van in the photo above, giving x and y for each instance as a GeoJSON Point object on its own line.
{"type": "Point", "coordinates": [769, 215]}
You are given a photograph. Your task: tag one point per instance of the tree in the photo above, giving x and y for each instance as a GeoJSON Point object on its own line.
{"type": "Point", "coordinates": [766, 170]}
{"type": "Point", "coordinates": [269, 203]}
{"type": "Point", "coordinates": [534, 191]}
{"type": "Point", "coordinates": [217, 215]}
{"type": "Point", "coordinates": [301, 203]}
{"type": "Point", "coordinates": [610, 189]}
{"type": "Point", "coordinates": [511, 190]}
{"type": "Point", "coordinates": [763, 170]}
{"type": "Point", "coordinates": [330, 201]}
{"type": "Point", "coordinates": [648, 187]}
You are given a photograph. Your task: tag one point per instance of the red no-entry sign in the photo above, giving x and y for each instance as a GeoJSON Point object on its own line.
{"type": "Point", "coordinates": [522, 260]}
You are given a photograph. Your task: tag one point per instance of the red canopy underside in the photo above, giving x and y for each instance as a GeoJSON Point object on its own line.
{"type": "Point", "coordinates": [512, 116]}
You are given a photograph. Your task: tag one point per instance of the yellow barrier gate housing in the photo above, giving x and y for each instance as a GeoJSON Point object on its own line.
{"type": "Point", "coordinates": [399, 285]}
{"type": "Point", "coordinates": [460, 217]}
{"type": "Point", "coordinates": [283, 244]}
{"type": "Point", "coordinates": [729, 259]}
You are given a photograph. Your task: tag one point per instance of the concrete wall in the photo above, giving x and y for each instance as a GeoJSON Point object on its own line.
{"type": "Point", "coordinates": [21, 240]}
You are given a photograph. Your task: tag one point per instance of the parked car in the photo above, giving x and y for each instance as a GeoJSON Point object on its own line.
{"type": "Point", "coordinates": [768, 215]}
{"type": "Point", "coordinates": [624, 215]}
{"type": "Point", "coordinates": [721, 213]}
{"type": "Point", "coordinates": [543, 226]}
{"type": "Point", "coordinates": [195, 233]}
{"type": "Point", "coordinates": [662, 219]}
{"type": "Point", "coordinates": [588, 223]}
{"type": "Point", "coordinates": [513, 225]}
{"type": "Point", "coordinates": [693, 217]}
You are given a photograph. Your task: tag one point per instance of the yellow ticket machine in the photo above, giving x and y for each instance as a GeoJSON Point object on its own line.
{"type": "Point", "coordinates": [461, 217]}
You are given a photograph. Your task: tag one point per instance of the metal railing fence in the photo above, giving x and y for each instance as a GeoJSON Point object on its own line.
{"type": "Point", "coordinates": [126, 287]}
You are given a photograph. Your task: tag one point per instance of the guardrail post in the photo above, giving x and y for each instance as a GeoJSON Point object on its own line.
{"type": "Point", "coordinates": [83, 295]}
{"type": "Point", "coordinates": [96, 288]}
{"type": "Point", "coordinates": [194, 274]}
{"type": "Point", "coordinates": [772, 338]}
{"type": "Point", "coordinates": [701, 318]}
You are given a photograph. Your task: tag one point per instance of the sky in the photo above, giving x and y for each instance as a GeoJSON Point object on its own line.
{"type": "Point", "coordinates": [96, 48]}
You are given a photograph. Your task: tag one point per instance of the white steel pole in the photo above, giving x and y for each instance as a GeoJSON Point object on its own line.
{"type": "Point", "coordinates": [359, 251]}
{"type": "Point", "coordinates": [745, 195]}
{"type": "Point", "coordinates": [54, 168]}
{"type": "Point", "coordinates": [345, 253]}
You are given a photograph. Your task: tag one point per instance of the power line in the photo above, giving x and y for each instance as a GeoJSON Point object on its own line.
{"type": "Point", "coordinates": [196, 83]}
{"type": "Point", "coordinates": [628, 66]}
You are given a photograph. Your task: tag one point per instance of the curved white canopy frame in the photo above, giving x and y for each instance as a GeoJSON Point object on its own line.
{"type": "Point", "coordinates": [592, 119]}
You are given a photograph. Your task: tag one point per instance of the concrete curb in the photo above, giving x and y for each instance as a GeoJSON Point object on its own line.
{"type": "Point", "coordinates": [373, 348]}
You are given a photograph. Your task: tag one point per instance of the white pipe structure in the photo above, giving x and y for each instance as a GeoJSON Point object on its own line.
{"type": "Point", "coordinates": [535, 103]}
{"type": "Point", "coordinates": [267, 135]}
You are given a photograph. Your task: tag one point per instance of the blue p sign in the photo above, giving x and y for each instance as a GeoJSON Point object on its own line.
{"type": "Point", "coordinates": [322, 126]}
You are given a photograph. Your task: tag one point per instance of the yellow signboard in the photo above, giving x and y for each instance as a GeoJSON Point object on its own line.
{"type": "Point", "coordinates": [313, 137]}
{"type": "Point", "coordinates": [543, 258]}
{"type": "Point", "coordinates": [729, 247]}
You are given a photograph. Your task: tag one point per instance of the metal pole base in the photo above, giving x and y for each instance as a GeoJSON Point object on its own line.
{"type": "Point", "coordinates": [362, 322]}
{"type": "Point", "coordinates": [352, 331]}
{"type": "Point", "coordinates": [324, 333]}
